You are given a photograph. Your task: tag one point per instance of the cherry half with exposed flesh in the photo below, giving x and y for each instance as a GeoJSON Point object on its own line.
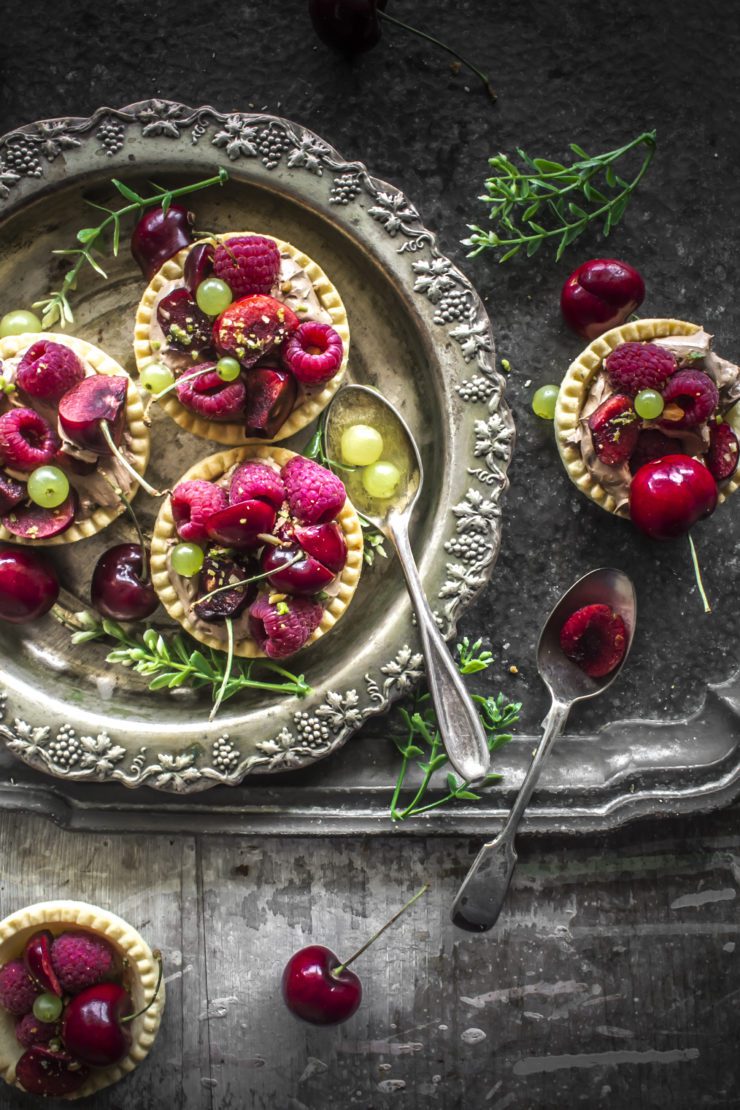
{"type": "Point", "coordinates": [96, 399]}
{"type": "Point", "coordinates": [292, 570]}
{"type": "Point", "coordinates": [271, 394]}
{"type": "Point", "coordinates": [198, 265]}
{"type": "Point", "coordinates": [600, 295]}
{"type": "Point", "coordinates": [120, 590]}
{"type": "Point", "coordinates": [242, 524]}
{"type": "Point", "coordinates": [12, 492]}
{"type": "Point", "coordinates": [42, 1071]}
{"type": "Point", "coordinates": [159, 235]}
{"type": "Point", "coordinates": [32, 522]}
{"type": "Point", "coordinates": [324, 542]}
{"type": "Point", "coordinates": [37, 958]}
{"type": "Point", "coordinates": [219, 592]}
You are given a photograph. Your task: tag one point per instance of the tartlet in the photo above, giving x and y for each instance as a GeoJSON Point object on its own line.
{"type": "Point", "coordinates": [91, 519]}
{"type": "Point", "coordinates": [175, 592]}
{"type": "Point", "coordinates": [608, 486]}
{"type": "Point", "coordinates": [309, 287]}
{"type": "Point", "coordinates": [139, 977]}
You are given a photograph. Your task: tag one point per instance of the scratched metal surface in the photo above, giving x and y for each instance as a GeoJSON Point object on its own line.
{"type": "Point", "coordinates": [613, 977]}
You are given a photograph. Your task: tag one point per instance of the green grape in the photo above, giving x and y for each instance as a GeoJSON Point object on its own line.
{"type": "Point", "coordinates": [733, 418]}
{"type": "Point", "coordinates": [649, 404]}
{"type": "Point", "coordinates": [228, 369]}
{"type": "Point", "coordinates": [544, 401]}
{"type": "Point", "coordinates": [19, 322]}
{"type": "Point", "coordinates": [213, 296]}
{"type": "Point", "coordinates": [186, 559]}
{"type": "Point", "coordinates": [155, 377]}
{"type": "Point", "coordinates": [47, 1007]}
{"type": "Point", "coordinates": [48, 486]}
{"type": "Point", "coordinates": [361, 445]}
{"type": "Point", "coordinates": [381, 479]}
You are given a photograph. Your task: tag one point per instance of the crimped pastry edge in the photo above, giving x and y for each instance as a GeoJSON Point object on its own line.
{"type": "Point", "coordinates": [142, 968]}
{"type": "Point", "coordinates": [137, 429]}
{"type": "Point", "coordinates": [231, 435]}
{"type": "Point", "coordinates": [213, 467]}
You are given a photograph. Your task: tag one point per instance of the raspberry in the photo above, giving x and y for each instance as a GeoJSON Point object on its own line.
{"type": "Point", "coordinates": [595, 638]}
{"type": "Point", "coordinates": [192, 503]}
{"type": "Point", "coordinates": [17, 991]}
{"type": "Point", "coordinates": [81, 960]}
{"type": "Point", "coordinates": [11, 492]}
{"type": "Point", "coordinates": [47, 370]}
{"type": "Point", "coordinates": [614, 429]}
{"type": "Point", "coordinates": [29, 1031]}
{"type": "Point", "coordinates": [253, 326]}
{"type": "Point", "coordinates": [313, 353]}
{"type": "Point", "coordinates": [280, 633]}
{"type": "Point", "coordinates": [209, 396]}
{"type": "Point", "coordinates": [247, 263]}
{"type": "Point", "coordinates": [254, 479]}
{"type": "Point", "coordinates": [182, 322]}
{"type": "Point", "coordinates": [26, 440]}
{"type": "Point", "coordinates": [636, 366]}
{"type": "Point", "coordinates": [723, 452]}
{"type": "Point", "coordinates": [690, 398]}
{"type": "Point", "coordinates": [651, 445]}
{"type": "Point", "coordinates": [314, 494]}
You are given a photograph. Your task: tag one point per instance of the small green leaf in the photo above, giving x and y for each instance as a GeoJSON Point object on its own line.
{"type": "Point", "coordinates": [578, 150]}
{"type": "Point", "coordinates": [577, 211]}
{"type": "Point", "coordinates": [116, 235]}
{"type": "Point", "coordinates": [150, 638]}
{"type": "Point", "coordinates": [532, 210]}
{"type": "Point", "coordinates": [166, 202]}
{"type": "Point", "coordinates": [510, 253]}
{"type": "Point", "coordinates": [468, 795]}
{"type": "Point", "coordinates": [85, 234]}
{"type": "Point", "coordinates": [611, 177]}
{"type": "Point", "coordinates": [126, 191]}
{"type": "Point", "coordinates": [533, 246]}
{"type": "Point", "coordinates": [544, 165]}
{"type": "Point", "coordinates": [163, 679]}
{"type": "Point", "coordinates": [453, 785]}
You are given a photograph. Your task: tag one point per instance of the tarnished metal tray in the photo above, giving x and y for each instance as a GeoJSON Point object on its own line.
{"type": "Point", "coordinates": [665, 742]}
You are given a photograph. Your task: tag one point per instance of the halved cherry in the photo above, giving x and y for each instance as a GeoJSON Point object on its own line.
{"type": "Point", "coordinates": [41, 1071]}
{"type": "Point", "coordinates": [12, 492]}
{"type": "Point", "coordinates": [271, 395]}
{"type": "Point", "coordinates": [198, 265]}
{"type": "Point", "coordinates": [31, 522]}
{"type": "Point", "coordinates": [291, 570]}
{"type": "Point", "coordinates": [219, 571]}
{"type": "Point", "coordinates": [324, 542]}
{"type": "Point", "coordinates": [37, 958]}
{"type": "Point", "coordinates": [96, 399]}
{"type": "Point", "coordinates": [241, 525]}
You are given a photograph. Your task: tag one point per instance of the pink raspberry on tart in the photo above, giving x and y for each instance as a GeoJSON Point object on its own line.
{"type": "Point", "coordinates": [277, 321]}
{"type": "Point", "coordinates": [281, 551]}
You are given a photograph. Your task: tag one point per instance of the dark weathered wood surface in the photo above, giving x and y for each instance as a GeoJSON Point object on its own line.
{"type": "Point", "coordinates": [612, 979]}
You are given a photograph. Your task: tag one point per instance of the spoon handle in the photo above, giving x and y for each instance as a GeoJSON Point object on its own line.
{"type": "Point", "coordinates": [481, 897]}
{"type": "Point", "coordinates": [459, 723]}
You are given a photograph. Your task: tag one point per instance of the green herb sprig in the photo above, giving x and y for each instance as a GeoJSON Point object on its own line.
{"type": "Point", "coordinates": [56, 307]}
{"type": "Point", "coordinates": [423, 745]}
{"type": "Point", "coordinates": [544, 200]}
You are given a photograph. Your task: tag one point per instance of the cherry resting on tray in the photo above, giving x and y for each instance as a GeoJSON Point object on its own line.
{"type": "Point", "coordinates": [118, 590]}
{"type": "Point", "coordinates": [671, 494]}
{"type": "Point", "coordinates": [600, 295]}
{"type": "Point", "coordinates": [159, 235]}
{"type": "Point", "coordinates": [28, 585]}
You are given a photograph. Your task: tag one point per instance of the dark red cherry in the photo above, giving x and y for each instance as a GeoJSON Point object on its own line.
{"type": "Point", "coordinates": [600, 295]}
{"type": "Point", "coordinates": [117, 589]}
{"type": "Point", "coordinates": [198, 265]}
{"type": "Point", "coordinates": [241, 525]}
{"type": "Point", "coordinates": [159, 235]}
{"type": "Point", "coordinates": [37, 958]}
{"type": "Point", "coordinates": [28, 585]}
{"type": "Point", "coordinates": [12, 492]}
{"type": "Point", "coordinates": [324, 542]}
{"type": "Point", "coordinates": [315, 992]}
{"type": "Point", "coordinates": [291, 570]}
{"type": "Point", "coordinates": [184, 325]}
{"type": "Point", "coordinates": [32, 522]}
{"type": "Point", "coordinates": [41, 1071]}
{"type": "Point", "coordinates": [92, 1027]}
{"type": "Point", "coordinates": [271, 395]}
{"type": "Point", "coordinates": [671, 494]}
{"type": "Point", "coordinates": [100, 397]}
{"type": "Point", "coordinates": [219, 571]}
{"type": "Point", "coordinates": [349, 26]}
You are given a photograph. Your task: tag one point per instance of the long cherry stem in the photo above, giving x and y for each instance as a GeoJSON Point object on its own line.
{"type": "Point", "coordinates": [245, 581]}
{"type": "Point", "coordinates": [132, 1017]}
{"type": "Point", "coordinates": [227, 669]}
{"type": "Point", "coordinates": [697, 575]}
{"type": "Point", "coordinates": [183, 378]}
{"type": "Point", "coordinates": [374, 937]}
{"type": "Point", "coordinates": [437, 42]}
{"type": "Point", "coordinates": [138, 478]}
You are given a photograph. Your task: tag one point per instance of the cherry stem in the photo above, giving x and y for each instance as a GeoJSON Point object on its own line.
{"type": "Point", "coordinates": [697, 575]}
{"type": "Point", "coordinates": [246, 581]}
{"type": "Point", "coordinates": [183, 378]}
{"type": "Point", "coordinates": [338, 970]}
{"type": "Point", "coordinates": [227, 669]}
{"type": "Point", "coordinates": [138, 478]}
{"type": "Point", "coordinates": [140, 535]}
{"type": "Point", "coordinates": [437, 42]}
{"type": "Point", "coordinates": [132, 1017]}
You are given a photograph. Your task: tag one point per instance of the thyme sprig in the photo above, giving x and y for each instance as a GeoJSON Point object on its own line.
{"type": "Point", "coordinates": [172, 661]}
{"type": "Point", "coordinates": [423, 745]}
{"type": "Point", "coordinates": [56, 307]}
{"type": "Point", "coordinates": [544, 200]}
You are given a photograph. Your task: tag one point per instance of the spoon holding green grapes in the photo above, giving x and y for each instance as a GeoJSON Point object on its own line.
{"type": "Point", "coordinates": [384, 476]}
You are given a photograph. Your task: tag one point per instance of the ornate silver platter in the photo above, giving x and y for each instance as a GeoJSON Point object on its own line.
{"type": "Point", "coordinates": [419, 332]}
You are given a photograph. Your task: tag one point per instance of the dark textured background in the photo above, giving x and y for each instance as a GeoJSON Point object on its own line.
{"type": "Point", "coordinates": [596, 73]}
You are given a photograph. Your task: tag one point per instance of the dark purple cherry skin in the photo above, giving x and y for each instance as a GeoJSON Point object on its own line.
{"type": "Point", "coordinates": [184, 325]}
{"type": "Point", "coordinates": [12, 492]}
{"type": "Point", "coordinates": [240, 525]}
{"type": "Point", "coordinates": [669, 495]}
{"type": "Point", "coordinates": [271, 395]}
{"type": "Point", "coordinates": [312, 990]}
{"type": "Point", "coordinates": [28, 585]}
{"type": "Point", "coordinates": [117, 590]}
{"type": "Point", "coordinates": [41, 1071]}
{"type": "Point", "coordinates": [348, 26]}
{"type": "Point", "coordinates": [32, 522]}
{"type": "Point", "coordinates": [198, 265]}
{"type": "Point", "coordinates": [159, 235]}
{"type": "Point", "coordinates": [306, 576]}
{"type": "Point", "coordinates": [218, 571]}
{"type": "Point", "coordinates": [94, 399]}
{"type": "Point", "coordinates": [600, 295]}
{"type": "Point", "coordinates": [37, 958]}
{"type": "Point", "coordinates": [324, 542]}
{"type": "Point", "coordinates": [91, 1025]}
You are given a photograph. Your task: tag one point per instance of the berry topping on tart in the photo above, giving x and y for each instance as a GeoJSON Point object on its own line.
{"type": "Point", "coordinates": [204, 392]}
{"type": "Point", "coordinates": [256, 479]}
{"type": "Point", "coordinates": [722, 456]}
{"type": "Point", "coordinates": [192, 504]}
{"type": "Point", "coordinates": [313, 353]}
{"type": "Point", "coordinates": [252, 327]}
{"type": "Point", "coordinates": [247, 263]}
{"type": "Point", "coordinates": [184, 325]}
{"type": "Point", "coordinates": [26, 440]}
{"type": "Point", "coordinates": [614, 429]}
{"type": "Point", "coordinates": [47, 370]}
{"type": "Point", "coordinates": [271, 395]}
{"type": "Point", "coordinates": [281, 629]}
{"type": "Point", "coordinates": [314, 494]}
{"type": "Point", "coordinates": [633, 367]}
{"type": "Point", "coordinates": [690, 398]}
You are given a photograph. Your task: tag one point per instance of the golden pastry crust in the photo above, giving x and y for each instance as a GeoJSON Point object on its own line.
{"type": "Point", "coordinates": [137, 430]}
{"type": "Point", "coordinates": [213, 468]}
{"type": "Point", "coordinates": [232, 434]}
{"type": "Point", "coordinates": [141, 979]}
{"type": "Point", "coordinates": [574, 391]}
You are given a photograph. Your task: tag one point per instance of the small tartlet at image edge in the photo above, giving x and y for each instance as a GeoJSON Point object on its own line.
{"type": "Point", "coordinates": [230, 434]}
{"type": "Point", "coordinates": [140, 979]}
{"type": "Point", "coordinates": [574, 390]}
{"type": "Point", "coordinates": [138, 433]}
{"type": "Point", "coordinates": [165, 533]}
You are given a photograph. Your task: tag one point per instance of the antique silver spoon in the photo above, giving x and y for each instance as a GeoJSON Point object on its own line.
{"type": "Point", "coordinates": [459, 724]}
{"type": "Point", "coordinates": [481, 897]}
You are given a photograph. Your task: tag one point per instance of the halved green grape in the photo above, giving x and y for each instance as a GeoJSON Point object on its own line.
{"type": "Point", "coordinates": [361, 445]}
{"type": "Point", "coordinates": [213, 296]}
{"type": "Point", "coordinates": [47, 1007]}
{"type": "Point", "coordinates": [19, 322]}
{"type": "Point", "coordinates": [48, 486]}
{"type": "Point", "coordinates": [545, 400]}
{"type": "Point", "coordinates": [228, 369]}
{"type": "Point", "coordinates": [186, 559]}
{"type": "Point", "coordinates": [155, 377]}
{"type": "Point", "coordinates": [649, 404]}
{"type": "Point", "coordinates": [381, 479]}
